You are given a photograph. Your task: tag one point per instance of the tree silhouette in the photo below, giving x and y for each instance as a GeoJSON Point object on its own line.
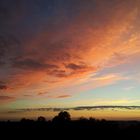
{"type": "Point", "coordinates": [24, 120]}
{"type": "Point", "coordinates": [41, 119]}
{"type": "Point", "coordinates": [63, 116]}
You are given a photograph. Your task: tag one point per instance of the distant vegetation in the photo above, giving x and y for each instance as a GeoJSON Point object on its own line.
{"type": "Point", "coordinates": [62, 124]}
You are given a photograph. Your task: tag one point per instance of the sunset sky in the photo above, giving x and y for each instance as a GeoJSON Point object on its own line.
{"type": "Point", "coordinates": [57, 54]}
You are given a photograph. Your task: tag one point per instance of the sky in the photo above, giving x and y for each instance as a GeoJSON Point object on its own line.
{"type": "Point", "coordinates": [68, 54]}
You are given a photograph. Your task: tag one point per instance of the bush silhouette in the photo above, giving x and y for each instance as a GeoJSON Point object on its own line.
{"type": "Point", "coordinates": [24, 120]}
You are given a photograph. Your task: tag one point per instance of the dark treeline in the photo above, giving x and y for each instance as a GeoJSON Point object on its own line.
{"type": "Point", "coordinates": [62, 125]}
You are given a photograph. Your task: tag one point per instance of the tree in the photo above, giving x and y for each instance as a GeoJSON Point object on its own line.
{"type": "Point", "coordinates": [41, 119]}
{"type": "Point", "coordinates": [24, 120]}
{"type": "Point", "coordinates": [63, 116]}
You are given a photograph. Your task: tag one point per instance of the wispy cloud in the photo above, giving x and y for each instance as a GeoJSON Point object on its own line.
{"type": "Point", "coordinates": [80, 108]}
{"type": "Point", "coordinates": [100, 81]}
{"type": "Point", "coordinates": [129, 88]}
{"type": "Point", "coordinates": [67, 50]}
{"type": "Point", "coordinates": [42, 93]}
{"type": "Point", "coordinates": [4, 98]}
{"type": "Point", "coordinates": [3, 86]}
{"type": "Point", "coordinates": [63, 96]}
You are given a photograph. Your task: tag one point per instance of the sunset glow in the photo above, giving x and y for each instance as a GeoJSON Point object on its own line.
{"type": "Point", "coordinates": [65, 54]}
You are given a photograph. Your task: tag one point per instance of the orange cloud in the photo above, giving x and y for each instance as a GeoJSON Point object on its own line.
{"type": "Point", "coordinates": [93, 82]}
{"type": "Point", "coordinates": [5, 99]}
{"type": "Point", "coordinates": [63, 96]}
{"type": "Point", "coordinates": [87, 44]}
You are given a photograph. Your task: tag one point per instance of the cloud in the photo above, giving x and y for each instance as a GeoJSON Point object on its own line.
{"type": "Point", "coordinates": [117, 102]}
{"type": "Point", "coordinates": [3, 98]}
{"type": "Point", "coordinates": [80, 108]}
{"type": "Point", "coordinates": [129, 88]}
{"type": "Point", "coordinates": [42, 93]}
{"type": "Point", "coordinates": [75, 66]}
{"type": "Point", "coordinates": [97, 81]}
{"type": "Point", "coordinates": [65, 45]}
{"type": "Point", "coordinates": [32, 65]}
{"type": "Point", "coordinates": [3, 86]}
{"type": "Point", "coordinates": [63, 96]}
{"type": "Point", "coordinates": [27, 95]}
{"type": "Point", "coordinates": [107, 107]}
{"type": "Point", "coordinates": [58, 73]}
{"type": "Point", "coordinates": [117, 59]}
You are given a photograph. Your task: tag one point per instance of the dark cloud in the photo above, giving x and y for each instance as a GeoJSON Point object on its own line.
{"type": "Point", "coordinates": [9, 48]}
{"type": "Point", "coordinates": [71, 70]}
{"type": "Point", "coordinates": [106, 107]}
{"type": "Point", "coordinates": [32, 64]}
{"type": "Point", "coordinates": [115, 108]}
{"type": "Point", "coordinates": [82, 67]}
{"type": "Point", "coordinates": [75, 66]}
{"type": "Point", "coordinates": [63, 96]}
{"type": "Point", "coordinates": [3, 86]}
{"type": "Point", "coordinates": [6, 97]}
{"type": "Point", "coordinates": [58, 73]}
{"type": "Point", "coordinates": [28, 95]}
{"type": "Point", "coordinates": [42, 93]}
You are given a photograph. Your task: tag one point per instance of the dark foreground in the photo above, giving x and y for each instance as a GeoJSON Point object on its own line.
{"type": "Point", "coordinates": [62, 127]}
{"type": "Point", "coordinates": [83, 128]}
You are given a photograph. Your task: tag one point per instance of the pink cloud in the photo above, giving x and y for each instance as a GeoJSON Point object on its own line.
{"type": "Point", "coordinates": [63, 96]}
{"type": "Point", "coordinates": [86, 45]}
